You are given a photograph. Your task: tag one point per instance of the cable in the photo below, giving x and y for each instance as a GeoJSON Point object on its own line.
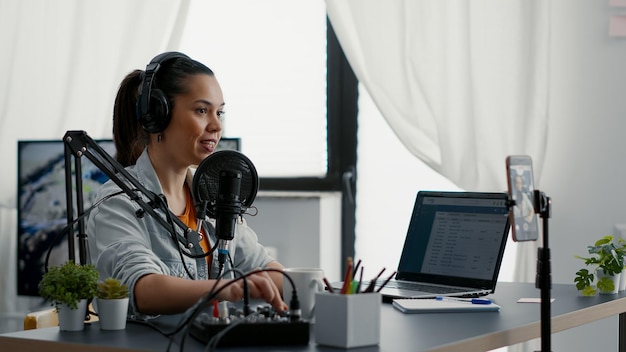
{"type": "Point", "coordinates": [79, 144]}
{"type": "Point", "coordinates": [191, 314]}
{"type": "Point", "coordinates": [246, 292]}
{"type": "Point", "coordinates": [194, 310]}
{"type": "Point", "coordinates": [67, 228]}
{"type": "Point", "coordinates": [212, 344]}
{"type": "Point", "coordinates": [158, 203]}
{"type": "Point", "coordinates": [246, 298]}
{"type": "Point", "coordinates": [294, 305]}
{"type": "Point", "coordinates": [162, 204]}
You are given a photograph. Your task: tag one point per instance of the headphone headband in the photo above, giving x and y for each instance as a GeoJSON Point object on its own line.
{"type": "Point", "coordinates": [153, 106]}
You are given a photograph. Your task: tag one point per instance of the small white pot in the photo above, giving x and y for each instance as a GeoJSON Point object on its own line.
{"type": "Point", "coordinates": [616, 281]}
{"type": "Point", "coordinates": [112, 313]}
{"type": "Point", "coordinates": [72, 319]}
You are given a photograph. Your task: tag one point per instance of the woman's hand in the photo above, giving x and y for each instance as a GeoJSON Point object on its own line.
{"type": "Point", "coordinates": [260, 286]}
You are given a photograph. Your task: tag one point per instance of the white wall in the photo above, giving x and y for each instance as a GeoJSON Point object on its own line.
{"type": "Point", "coordinates": [586, 161]}
{"type": "Point", "coordinates": [304, 228]}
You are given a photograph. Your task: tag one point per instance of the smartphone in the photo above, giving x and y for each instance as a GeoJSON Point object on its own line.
{"type": "Point", "coordinates": [524, 223]}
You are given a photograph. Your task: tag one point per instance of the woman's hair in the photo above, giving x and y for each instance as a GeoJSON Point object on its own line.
{"type": "Point", "coordinates": [129, 137]}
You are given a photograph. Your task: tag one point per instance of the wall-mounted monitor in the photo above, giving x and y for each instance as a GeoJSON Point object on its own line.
{"type": "Point", "coordinates": [41, 208]}
{"type": "Point", "coordinates": [229, 144]}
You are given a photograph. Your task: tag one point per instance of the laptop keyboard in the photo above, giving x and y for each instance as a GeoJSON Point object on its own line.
{"type": "Point", "coordinates": [422, 287]}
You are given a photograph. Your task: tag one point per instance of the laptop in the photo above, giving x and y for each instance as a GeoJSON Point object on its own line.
{"type": "Point", "coordinates": [453, 247]}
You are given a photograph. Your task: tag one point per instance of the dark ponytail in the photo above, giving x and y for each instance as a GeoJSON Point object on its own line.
{"type": "Point", "coordinates": [172, 79]}
{"type": "Point", "coordinates": [130, 139]}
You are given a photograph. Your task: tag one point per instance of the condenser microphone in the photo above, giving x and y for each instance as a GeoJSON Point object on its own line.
{"type": "Point", "coordinates": [227, 210]}
{"type": "Point", "coordinates": [224, 186]}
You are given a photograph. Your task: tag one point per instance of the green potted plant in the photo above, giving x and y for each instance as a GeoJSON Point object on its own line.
{"type": "Point", "coordinates": [112, 289]}
{"type": "Point", "coordinates": [68, 287]}
{"type": "Point", "coordinates": [607, 261]}
{"type": "Point", "coordinates": [112, 304]}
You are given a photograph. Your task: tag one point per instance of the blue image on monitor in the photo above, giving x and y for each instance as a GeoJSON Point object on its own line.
{"type": "Point", "coordinates": [42, 209]}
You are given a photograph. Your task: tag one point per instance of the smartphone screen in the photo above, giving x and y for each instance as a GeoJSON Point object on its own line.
{"type": "Point", "coordinates": [521, 187]}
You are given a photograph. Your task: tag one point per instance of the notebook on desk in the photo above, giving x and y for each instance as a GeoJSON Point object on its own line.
{"type": "Point", "coordinates": [448, 305]}
{"type": "Point", "coordinates": [453, 247]}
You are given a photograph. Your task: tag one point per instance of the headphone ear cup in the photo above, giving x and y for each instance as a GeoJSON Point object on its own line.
{"type": "Point", "coordinates": [153, 107]}
{"type": "Point", "coordinates": [159, 117]}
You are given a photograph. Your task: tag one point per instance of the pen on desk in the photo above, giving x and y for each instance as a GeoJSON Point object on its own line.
{"type": "Point", "coordinates": [386, 282]}
{"type": "Point", "coordinates": [356, 267]}
{"type": "Point", "coordinates": [355, 285]}
{"type": "Point", "coordinates": [347, 279]}
{"type": "Point", "coordinates": [358, 286]}
{"type": "Point", "coordinates": [352, 288]}
{"type": "Point", "coordinates": [468, 300]}
{"type": "Point", "coordinates": [370, 287]}
{"type": "Point", "coordinates": [329, 287]}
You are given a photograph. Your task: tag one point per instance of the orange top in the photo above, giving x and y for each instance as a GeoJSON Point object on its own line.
{"type": "Point", "coordinates": [189, 219]}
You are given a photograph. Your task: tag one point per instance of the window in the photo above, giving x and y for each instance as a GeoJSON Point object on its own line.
{"type": "Point", "coordinates": [270, 59]}
{"type": "Point", "coordinates": [290, 94]}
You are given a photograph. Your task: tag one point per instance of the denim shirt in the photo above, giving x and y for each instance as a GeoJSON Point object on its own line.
{"type": "Point", "coordinates": [126, 243]}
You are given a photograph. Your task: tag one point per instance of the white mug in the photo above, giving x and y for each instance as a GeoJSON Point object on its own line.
{"type": "Point", "coordinates": [308, 281]}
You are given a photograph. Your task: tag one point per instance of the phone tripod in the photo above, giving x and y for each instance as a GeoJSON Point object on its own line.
{"type": "Point", "coordinates": [543, 279]}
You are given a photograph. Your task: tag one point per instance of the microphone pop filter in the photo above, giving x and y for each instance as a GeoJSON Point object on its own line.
{"type": "Point", "coordinates": [206, 181]}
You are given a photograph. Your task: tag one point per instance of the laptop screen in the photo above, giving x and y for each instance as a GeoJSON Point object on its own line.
{"type": "Point", "coordinates": [455, 238]}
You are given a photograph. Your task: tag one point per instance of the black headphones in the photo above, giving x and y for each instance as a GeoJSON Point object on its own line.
{"type": "Point", "coordinates": [153, 106]}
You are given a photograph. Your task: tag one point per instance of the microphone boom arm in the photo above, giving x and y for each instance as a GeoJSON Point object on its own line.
{"type": "Point", "coordinates": [79, 144]}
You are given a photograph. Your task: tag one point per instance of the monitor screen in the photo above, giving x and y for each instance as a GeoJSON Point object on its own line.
{"type": "Point", "coordinates": [42, 204]}
{"type": "Point", "coordinates": [42, 209]}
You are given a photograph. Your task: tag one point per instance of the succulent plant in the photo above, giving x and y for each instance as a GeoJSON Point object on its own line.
{"type": "Point", "coordinates": [111, 288]}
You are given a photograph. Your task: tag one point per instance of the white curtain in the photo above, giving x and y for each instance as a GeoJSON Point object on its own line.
{"type": "Point", "coordinates": [462, 84]}
{"type": "Point", "coordinates": [61, 63]}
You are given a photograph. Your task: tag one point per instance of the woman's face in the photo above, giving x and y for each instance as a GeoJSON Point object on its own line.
{"type": "Point", "coordinates": [196, 126]}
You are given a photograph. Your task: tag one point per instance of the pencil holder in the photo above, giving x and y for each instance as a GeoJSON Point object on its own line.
{"type": "Point", "coordinates": [347, 320]}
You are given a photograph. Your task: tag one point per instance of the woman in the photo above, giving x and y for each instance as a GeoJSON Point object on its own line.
{"type": "Point", "coordinates": [167, 120]}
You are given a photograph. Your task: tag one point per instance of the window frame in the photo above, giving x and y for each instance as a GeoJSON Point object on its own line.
{"type": "Point", "coordinates": [341, 116]}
